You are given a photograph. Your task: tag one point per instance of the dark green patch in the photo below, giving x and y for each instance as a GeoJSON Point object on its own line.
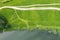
{"type": "Point", "coordinates": [3, 23]}
{"type": "Point", "coordinates": [6, 1]}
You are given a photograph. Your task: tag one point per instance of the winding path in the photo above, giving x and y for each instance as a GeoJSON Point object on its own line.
{"type": "Point", "coordinates": [31, 7]}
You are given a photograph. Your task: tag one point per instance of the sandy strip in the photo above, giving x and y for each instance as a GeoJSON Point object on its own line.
{"type": "Point", "coordinates": [32, 8]}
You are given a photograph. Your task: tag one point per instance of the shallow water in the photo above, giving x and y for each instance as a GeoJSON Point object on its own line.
{"type": "Point", "coordinates": [29, 35]}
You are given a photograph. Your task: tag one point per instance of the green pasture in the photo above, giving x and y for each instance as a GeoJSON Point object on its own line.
{"type": "Point", "coordinates": [33, 18]}
{"type": "Point", "coordinates": [26, 2]}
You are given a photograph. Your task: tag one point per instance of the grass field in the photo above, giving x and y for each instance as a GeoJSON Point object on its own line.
{"type": "Point", "coordinates": [20, 19]}
{"type": "Point", "coordinates": [28, 2]}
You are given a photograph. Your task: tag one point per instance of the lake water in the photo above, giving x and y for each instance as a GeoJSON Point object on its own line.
{"type": "Point", "coordinates": [29, 35]}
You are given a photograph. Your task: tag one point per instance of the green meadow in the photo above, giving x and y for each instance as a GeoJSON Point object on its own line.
{"type": "Point", "coordinates": [26, 2]}
{"type": "Point", "coordinates": [31, 19]}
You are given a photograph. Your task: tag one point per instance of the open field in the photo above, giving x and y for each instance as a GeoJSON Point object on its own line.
{"type": "Point", "coordinates": [27, 2]}
{"type": "Point", "coordinates": [22, 19]}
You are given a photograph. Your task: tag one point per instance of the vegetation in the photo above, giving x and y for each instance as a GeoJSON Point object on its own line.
{"type": "Point", "coordinates": [31, 19]}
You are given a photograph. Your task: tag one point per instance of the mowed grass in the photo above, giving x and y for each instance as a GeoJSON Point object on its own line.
{"type": "Point", "coordinates": [32, 19]}
{"type": "Point", "coordinates": [27, 2]}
